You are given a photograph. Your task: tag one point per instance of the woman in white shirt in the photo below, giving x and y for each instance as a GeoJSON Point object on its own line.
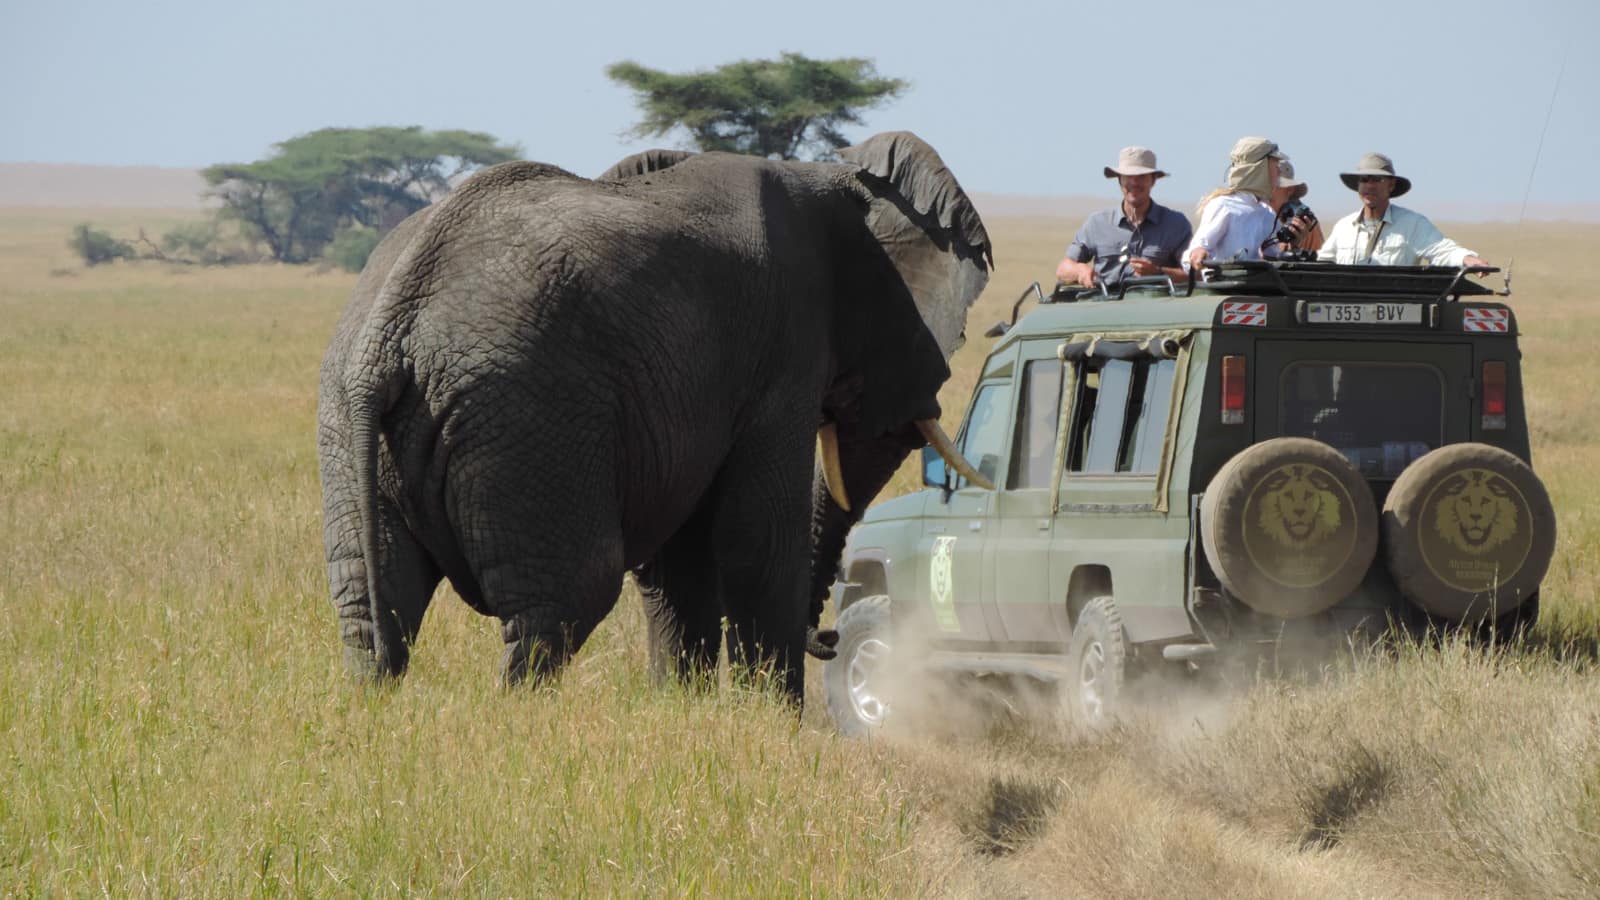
{"type": "Point", "coordinates": [1236, 219]}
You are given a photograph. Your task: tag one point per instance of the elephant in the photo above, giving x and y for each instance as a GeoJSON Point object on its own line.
{"type": "Point", "coordinates": [543, 382]}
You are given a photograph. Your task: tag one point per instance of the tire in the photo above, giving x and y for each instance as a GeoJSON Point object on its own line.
{"type": "Point", "coordinates": [1469, 532]}
{"type": "Point", "coordinates": [854, 679]}
{"type": "Point", "coordinates": [1097, 666]}
{"type": "Point", "coordinates": [1289, 527]}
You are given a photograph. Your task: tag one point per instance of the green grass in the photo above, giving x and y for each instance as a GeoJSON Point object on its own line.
{"type": "Point", "coordinates": [174, 718]}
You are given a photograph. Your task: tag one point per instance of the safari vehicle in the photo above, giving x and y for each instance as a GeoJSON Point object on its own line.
{"type": "Point", "coordinates": [1292, 448]}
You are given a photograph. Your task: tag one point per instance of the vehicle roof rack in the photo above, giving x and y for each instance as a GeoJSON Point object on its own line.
{"type": "Point", "coordinates": [1331, 281]}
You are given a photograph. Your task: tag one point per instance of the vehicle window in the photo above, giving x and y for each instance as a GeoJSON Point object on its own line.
{"type": "Point", "coordinates": [1382, 416]}
{"type": "Point", "coordinates": [1148, 433]}
{"type": "Point", "coordinates": [985, 437]}
{"type": "Point", "coordinates": [1111, 406]}
{"type": "Point", "coordinates": [1033, 451]}
{"type": "Point", "coordinates": [1121, 420]}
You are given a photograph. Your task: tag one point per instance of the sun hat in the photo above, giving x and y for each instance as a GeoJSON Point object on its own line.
{"type": "Point", "coordinates": [1286, 179]}
{"type": "Point", "coordinates": [1375, 164]}
{"type": "Point", "coordinates": [1248, 166]}
{"type": "Point", "coordinates": [1251, 150]}
{"type": "Point", "coordinates": [1135, 161]}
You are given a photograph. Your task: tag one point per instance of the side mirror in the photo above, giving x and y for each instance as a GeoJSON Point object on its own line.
{"type": "Point", "coordinates": [934, 471]}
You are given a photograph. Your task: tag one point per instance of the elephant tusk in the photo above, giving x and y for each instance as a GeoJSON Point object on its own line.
{"type": "Point", "coordinates": [832, 472]}
{"type": "Point", "coordinates": [941, 442]}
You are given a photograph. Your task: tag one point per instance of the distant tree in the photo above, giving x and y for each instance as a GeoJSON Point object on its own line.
{"type": "Point", "coordinates": [95, 246]}
{"type": "Point", "coordinates": [350, 248]}
{"type": "Point", "coordinates": [779, 109]}
{"type": "Point", "coordinates": [317, 184]}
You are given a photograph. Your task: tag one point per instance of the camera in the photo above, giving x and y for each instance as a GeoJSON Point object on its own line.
{"type": "Point", "coordinates": [1290, 211]}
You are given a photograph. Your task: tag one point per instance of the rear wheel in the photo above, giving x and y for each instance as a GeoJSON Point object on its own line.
{"type": "Point", "coordinates": [1097, 665]}
{"type": "Point", "coordinates": [856, 678]}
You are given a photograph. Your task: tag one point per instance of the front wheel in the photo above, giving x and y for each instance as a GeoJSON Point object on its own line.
{"type": "Point", "coordinates": [856, 678]}
{"type": "Point", "coordinates": [1097, 664]}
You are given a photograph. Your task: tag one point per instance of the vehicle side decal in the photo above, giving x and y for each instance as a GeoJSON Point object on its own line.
{"type": "Point", "coordinates": [941, 583]}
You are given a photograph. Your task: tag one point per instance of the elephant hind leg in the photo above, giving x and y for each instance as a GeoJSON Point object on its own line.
{"type": "Point", "coordinates": [567, 606]}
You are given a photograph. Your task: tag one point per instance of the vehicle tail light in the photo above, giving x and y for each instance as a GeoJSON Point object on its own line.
{"type": "Point", "coordinates": [1493, 396]}
{"type": "Point", "coordinates": [1233, 390]}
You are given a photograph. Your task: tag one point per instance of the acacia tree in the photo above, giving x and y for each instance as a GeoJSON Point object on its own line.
{"type": "Point", "coordinates": [777, 109]}
{"type": "Point", "coordinates": [316, 185]}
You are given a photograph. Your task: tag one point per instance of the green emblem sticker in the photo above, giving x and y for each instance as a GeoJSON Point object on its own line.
{"type": "Point", "coordinates": [941, 583]}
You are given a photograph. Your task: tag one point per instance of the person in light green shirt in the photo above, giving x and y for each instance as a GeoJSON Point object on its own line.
{"type": "Point", "coordinates": [1381, 233]}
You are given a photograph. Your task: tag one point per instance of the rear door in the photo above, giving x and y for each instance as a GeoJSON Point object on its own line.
{"type": "Point", "coordinates": [1383, 404]}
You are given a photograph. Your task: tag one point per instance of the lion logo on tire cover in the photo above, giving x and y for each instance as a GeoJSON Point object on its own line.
{"type": "Point", "coordinates": [1476, 540]}
{"type": "Point", "coordinates": [1298, 510]}
{"type": "Point", "coordinates": [1302, 533]}
{"type": "Point", "coordinates": [1476, 513]}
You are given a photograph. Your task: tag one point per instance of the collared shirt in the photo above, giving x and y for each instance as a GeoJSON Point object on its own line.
{"type": "Point", "coordinates": [1106, 234]}
{"type": "Point", "coordinates": [1400, 238]}
{"type": "Point", "coordinates": [1234, 226]}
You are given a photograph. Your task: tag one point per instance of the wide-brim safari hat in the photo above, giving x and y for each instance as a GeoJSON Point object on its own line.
{"type": "Point", "coordinates": [1248, 151]}
{"type": "Point", "coordinates": [1375, 164]}
{"type": "Point", "coordinates": [1135, 161]}
{"type": "Point", "coordinates": [1286, 179]}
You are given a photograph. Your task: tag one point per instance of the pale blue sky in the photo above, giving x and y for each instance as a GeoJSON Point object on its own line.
{"type": "Point", "coordinates": [1018, 98]}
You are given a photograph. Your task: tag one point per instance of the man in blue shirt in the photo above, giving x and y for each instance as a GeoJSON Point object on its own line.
{"type": "Point", "coordinates": [1139, 237]}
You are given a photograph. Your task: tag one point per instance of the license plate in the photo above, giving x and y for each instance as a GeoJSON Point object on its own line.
{"type": "Point", "coordinates": [1364, 313]}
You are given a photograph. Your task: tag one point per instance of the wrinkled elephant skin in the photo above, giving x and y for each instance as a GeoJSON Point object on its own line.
{"type": "Point", "coordinates": [545, 381]}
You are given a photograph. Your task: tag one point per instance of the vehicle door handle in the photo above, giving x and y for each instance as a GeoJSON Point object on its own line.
{"type": "Point", "coordinates": [975, 525]}
{"type": "Point", "coordinates": [1044, 524]}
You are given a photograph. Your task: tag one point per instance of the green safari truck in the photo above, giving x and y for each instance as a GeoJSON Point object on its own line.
{"type": "Point", "coordinates": [1171, 477]}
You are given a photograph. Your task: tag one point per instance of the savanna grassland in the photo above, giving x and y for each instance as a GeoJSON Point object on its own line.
{"type": "Point", "coordinates": [175, 720]}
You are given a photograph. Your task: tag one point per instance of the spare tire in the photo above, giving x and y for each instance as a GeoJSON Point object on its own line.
{"type": "Point", "coordinates": [1289, 526]}
{"type": "Point", "coordinates": [1469, 532]}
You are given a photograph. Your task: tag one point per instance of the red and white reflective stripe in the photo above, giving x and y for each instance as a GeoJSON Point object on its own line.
{"type": "Point", "coordinates": [1244, 314]}
{"type": "Point", "coordinates": [1498, 320]}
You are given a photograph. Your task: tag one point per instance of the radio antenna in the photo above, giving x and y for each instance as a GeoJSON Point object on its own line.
{"type": "Point", "coordinates": [1522, 216]}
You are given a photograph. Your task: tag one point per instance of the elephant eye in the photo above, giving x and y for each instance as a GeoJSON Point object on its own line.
{"type": "Point", "coordinates": [961, 341]}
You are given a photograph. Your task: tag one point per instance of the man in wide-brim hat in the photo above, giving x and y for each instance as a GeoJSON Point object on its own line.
{"type": "Point", "coordinates": [1384, 234]}
{"type": "Point", "coordinates": [1138, 237]}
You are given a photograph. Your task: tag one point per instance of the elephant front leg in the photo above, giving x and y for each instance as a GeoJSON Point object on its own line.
{"type": "Point", "coordinates": [762, 543]}
{"type": "Point", "coordinates": [683, 615]}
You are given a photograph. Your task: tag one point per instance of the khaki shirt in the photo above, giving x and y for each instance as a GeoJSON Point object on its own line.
{"type": "Point", "coordinates": [1400, 238]}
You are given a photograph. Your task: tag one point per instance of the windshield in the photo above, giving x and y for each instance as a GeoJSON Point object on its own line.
{"type": "Point", "coordinates": [1382, 416]}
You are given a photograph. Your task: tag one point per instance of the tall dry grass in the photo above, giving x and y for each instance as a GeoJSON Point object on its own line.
{"type": "Point", "coordinates": [174, 720]}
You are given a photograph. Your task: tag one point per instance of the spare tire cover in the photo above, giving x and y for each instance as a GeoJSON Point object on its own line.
{"type": "Point", "coordinates": [1469, 532]}
{"type": "Point", "coordinates": [1289, 526]}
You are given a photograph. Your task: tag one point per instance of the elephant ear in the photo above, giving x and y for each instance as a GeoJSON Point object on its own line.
{"type": "Point", "coordinates": [644, 163]}
{"type": "Point", "coordinates": [930, 236]}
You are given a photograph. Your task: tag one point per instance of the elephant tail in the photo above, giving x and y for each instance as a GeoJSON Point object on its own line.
{"type": "Point", "coordinates": [372, 386]}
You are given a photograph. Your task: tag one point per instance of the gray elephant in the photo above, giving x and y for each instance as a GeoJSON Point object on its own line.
{"type": "Point", "coordinates": [543, 382]}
